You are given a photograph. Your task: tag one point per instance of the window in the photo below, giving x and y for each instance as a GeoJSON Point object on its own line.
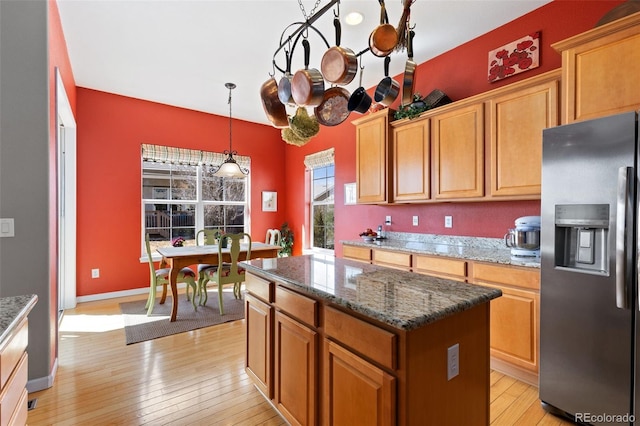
{"type": "Point", "coordinates": [322, 199]}
{"type": "Point", "coordinates": [180, 195]}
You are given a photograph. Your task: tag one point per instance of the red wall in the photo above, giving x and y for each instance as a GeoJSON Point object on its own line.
{"type": "Point", "coordinates": [460, 73]}
{"type": "Point", "coordinates": [111, 129]}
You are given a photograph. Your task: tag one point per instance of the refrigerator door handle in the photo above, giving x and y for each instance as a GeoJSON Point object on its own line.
{"type": "Point", "coordinates": [622, 301]}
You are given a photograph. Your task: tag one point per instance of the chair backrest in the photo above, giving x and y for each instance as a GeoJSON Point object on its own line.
{"type": "Point", "coordinates": [273, 237]}
{"type": "Point", "coordinates": [207, 237]}
{"type": "Point", "coordinates": [152, 267]}
{"type": "Point", "coordinates": [234, 241]}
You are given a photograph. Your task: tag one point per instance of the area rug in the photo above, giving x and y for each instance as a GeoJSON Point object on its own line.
{"type": "Point", "coordinates": [139, 327]}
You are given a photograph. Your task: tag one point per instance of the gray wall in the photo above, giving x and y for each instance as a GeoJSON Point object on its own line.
{"type": "Point", "coordinates": [24, 173]}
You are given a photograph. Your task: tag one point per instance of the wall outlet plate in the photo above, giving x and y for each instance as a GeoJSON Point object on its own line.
{"type": "Point", "coordinates": [7, 228]}
{"type": "Point", "coordinates": [448, 222]}
{"type": "Point", "coordinates": [95, 273]}
{"type": "Point", "coordinates": [415, 221]}
{"type": "Point", "coordinates": [387, 220]}
{"type": "Point", "coordinates": [453, 361]}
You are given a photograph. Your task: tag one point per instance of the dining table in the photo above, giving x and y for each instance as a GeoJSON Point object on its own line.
{"type": "Point", "coordinates": [177, 258]}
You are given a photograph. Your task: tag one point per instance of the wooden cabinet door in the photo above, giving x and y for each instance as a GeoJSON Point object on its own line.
{"type": "Point", "coordinates": [372, 158]}
{"type": "Point", "coordinates": [458, 142]}
{"type": "Point", "coordinates": [600, 69]}
{"type": "Point", "coordinates": [259, 326]}
{"type": "Point", "coordinates": [295, 367]}
{"type": "Point", "coordinates": [355, 392]}
{"type": "Point", "coordinates": [514, 327]}
{"type": "Point", "coordinates": [411, 161]}
{"type": "Point", "coordinates": [517, 120]}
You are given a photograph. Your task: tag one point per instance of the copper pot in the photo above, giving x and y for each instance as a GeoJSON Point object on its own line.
{"type": "Point", "coordinates": [339, 65]}
{"type": "Point", "coordinates": [409, 71]}
{"type": "Point", "coordinates": [334, 107]}
{"type": "Point", "coordinates": [284, 87]}
{"type": "Point", "coordinates": [384, 38]}
{"type": "Point", "coordinates": [307, 85]}
{"type": "Point", "coordinates": [273, 108]}
{"type": "Point", "coordinates": [388, 89]}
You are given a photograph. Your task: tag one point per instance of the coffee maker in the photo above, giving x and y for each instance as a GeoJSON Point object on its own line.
{"type": "Point", "coordinates": [524, 239]}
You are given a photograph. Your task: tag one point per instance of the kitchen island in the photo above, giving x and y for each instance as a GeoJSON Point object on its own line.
{"type": "Point", "coordinates": [331, 340]}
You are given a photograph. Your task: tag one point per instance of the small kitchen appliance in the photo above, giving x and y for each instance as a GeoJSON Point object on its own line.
{"type": "Point", "coordinates": [524, 239]}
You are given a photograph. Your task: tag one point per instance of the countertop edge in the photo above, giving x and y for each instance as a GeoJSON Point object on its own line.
{"type": "Point", "coordinates": [18, 307]}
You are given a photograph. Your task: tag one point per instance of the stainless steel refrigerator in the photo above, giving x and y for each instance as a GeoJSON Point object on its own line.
{"type": "Point", "coordinates": [589, 270]}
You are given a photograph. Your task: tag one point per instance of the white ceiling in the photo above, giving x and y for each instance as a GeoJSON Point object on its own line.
{"type": "Point", "coordinates": [182, 52]}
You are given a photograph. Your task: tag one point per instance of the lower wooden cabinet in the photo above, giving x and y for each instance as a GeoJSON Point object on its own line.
{"type": "Point", "coordinates": [515, 318]}
{"type": "Point", "coordinates": [295, 370]}
{"type": "Point", "coordinates": [438, 266]}
{"type": "Point", "coordinates": [392, 259]}
{"type": "Point", "coordinates": [258, 362]}
{"type": "Point", "coordinates": [14, 376]}
{"type": "Point", "coordinates": [356, 391]}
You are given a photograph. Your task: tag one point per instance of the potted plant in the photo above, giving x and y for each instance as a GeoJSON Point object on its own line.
{"type": "Point", "coordinates": [286, 240]}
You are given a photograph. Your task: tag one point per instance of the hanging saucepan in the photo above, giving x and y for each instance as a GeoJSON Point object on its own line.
{"type": "Point", "coordinates": [307, 85]}
{"type": "Point", "coordinates": [339, 65]}
{"type": "Point", "coordinates": [409, 71]}
{"type": "Point", "coordinates": [388, 89]}
{"type": "Point", "coordinates": [273, 108]}
{"type": "Point", "coordinates": [284, 87]}
{"type": "Point", "coordinates": [360, 101]}
{"type": "Point", "coordinates": [384, 38]}
{"type": "Point", "coordinates": [334, 108]}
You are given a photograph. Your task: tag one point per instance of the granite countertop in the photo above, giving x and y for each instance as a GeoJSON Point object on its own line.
{"type": "Point", "coordinates": [404, 300]}
{"type": "Point", "coordinates": [470, 248]}
{"type": "Point", "coordinates": [12, 310]}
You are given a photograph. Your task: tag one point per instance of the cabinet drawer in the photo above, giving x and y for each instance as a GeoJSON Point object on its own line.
{"type": "Point", "coordinates": [359, 253]}
{"type": "Point", "coordinates": [391, 258]}
{"type": "Point", "coordinates": [298, 306]}
{"type": "Point", "coordinates": [510, 275]}
{"type": "Point", "coordinates": [259, 287]}
{"type": "Point", "coordinates": [12, 350]}
{"type": "Point", "coordinates": [372, 342]}
{"type": "Point", "coordinates": [439, 265]}
{"type": "Point", "coordinates": [12, 393]}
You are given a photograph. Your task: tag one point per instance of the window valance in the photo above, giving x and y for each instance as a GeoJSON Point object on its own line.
{"type": "Point", "coordinates": [169, 154]}
{"type": "Point", "coordinates": [319, 159]}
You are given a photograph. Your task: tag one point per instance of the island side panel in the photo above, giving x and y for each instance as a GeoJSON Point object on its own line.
{"type": "Point", "coordinates": [425, 396]}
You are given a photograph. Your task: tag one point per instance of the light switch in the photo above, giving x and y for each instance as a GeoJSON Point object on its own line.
{"type": "Point", "coordinates": [6, 228]}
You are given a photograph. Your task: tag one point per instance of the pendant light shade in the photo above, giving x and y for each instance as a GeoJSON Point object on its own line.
{"type": "Point", "coordinates": [230, 168]}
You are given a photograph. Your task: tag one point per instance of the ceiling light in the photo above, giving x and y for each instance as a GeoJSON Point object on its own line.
{"type": "Point", "coordinates": [230, 168]}
{"type": "Point", "coordinates": [354, 18]}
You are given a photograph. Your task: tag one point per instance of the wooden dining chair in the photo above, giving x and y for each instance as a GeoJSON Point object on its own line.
{"type": "Point", "coordinates": [273, 237]}
{"type": "Point", "coordinates": [161, 277]}
{"type": "Point", "coordinates": [226, 272]}
{"type": "Point", "coordinates": [206, 237]}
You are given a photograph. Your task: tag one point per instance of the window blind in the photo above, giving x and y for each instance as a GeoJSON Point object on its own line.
{"type": "Point", "coordinates": [319, 159]}
{"type": "Point", "coordinates": [169, 154]}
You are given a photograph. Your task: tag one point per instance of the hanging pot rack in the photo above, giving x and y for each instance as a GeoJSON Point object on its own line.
{"type": "Point", "coordinates": [302, 31]}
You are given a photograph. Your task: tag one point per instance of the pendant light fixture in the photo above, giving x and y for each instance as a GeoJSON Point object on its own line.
{"type": "Point", "coordinates": [230, 168]}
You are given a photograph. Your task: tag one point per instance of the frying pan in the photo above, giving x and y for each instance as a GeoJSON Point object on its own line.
{"type": "Point", "coordinates": [284, 87]}
{"type": "Point", "coordinates": [273, 108]}
{"type": "Point", "coordinates": [339, 65]}
{"type": "Point", "coordinates": [384, 38]}
{"type": "Point", "coordinates": [333, 109]}
{"type": "Point", "coordinates": [360, 101]}
{"type": "Point", "coordinates": [409, 71]}
{"type": "Point", "coordinates": [388, 89]}
{"type": "Point", "coordinates": [307, 85]}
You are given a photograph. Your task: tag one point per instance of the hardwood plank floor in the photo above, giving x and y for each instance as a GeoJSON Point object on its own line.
{"type": "Point", "coordinates": [194, 378]}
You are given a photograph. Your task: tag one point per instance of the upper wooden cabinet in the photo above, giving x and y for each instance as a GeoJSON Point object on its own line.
{"type": "Point", "coordinates": [411, 160]}
{"type": "Point", "coordinates": [600, 70]}
{"type": "Point", "coordinates": [458, 152]}
{"type": "Point", "coordinates": [373, 158]}
{"type": "Point", "coordinates": [517, 116]}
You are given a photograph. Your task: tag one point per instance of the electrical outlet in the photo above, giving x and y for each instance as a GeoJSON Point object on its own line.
{"type": "Point", "coordinates": [387, 220]}
{"type": "Point", "coordinates": [415, 221]}
{"type": "Point", "coordinates": [453, 361]}
{"type": "Point", "coordinates": [448, 222]}
{"type": "Point", "coordinates": [95, 273]}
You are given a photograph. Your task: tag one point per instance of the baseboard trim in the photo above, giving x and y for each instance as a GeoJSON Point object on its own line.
{"type": "Point", "coordinates": [504, 367]}
{"type": "Point", "coordinates": [115, 294]}
{"type": "Point", "coordinates": [42, 383]}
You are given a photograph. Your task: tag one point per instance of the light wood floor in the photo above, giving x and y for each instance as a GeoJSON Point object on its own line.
{"type": "Point", "coordinates": [194, 378]}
